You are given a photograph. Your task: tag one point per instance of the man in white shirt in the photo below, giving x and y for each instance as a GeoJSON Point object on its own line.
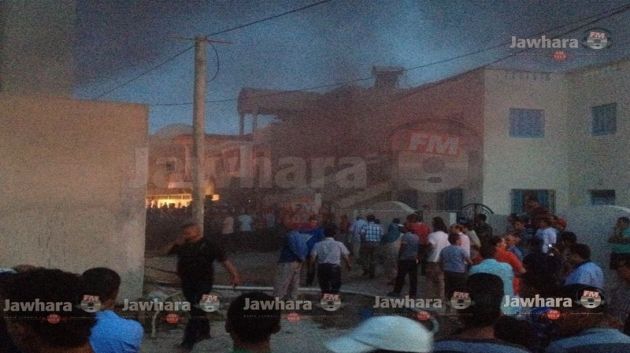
{"type": "Point", "coordinates": [245, 223]}
{"type": "Point", "coordinates": [438, 240]}
{"type": "Point", "coordinates": [547, 233]}
{"type": "Point", "coordinates": [329, 253]}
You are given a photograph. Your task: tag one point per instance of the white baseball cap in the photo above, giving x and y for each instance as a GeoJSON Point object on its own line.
{"type": "Point", "coordinates": [394, 333]}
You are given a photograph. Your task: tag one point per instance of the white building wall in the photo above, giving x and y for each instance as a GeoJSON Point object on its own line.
{"type": "Point", "coordinates": [74, 177]}
{"type": "Point", "coordinates": [524, 163]}
{"type": "Point", "coordinates": [599, 162]}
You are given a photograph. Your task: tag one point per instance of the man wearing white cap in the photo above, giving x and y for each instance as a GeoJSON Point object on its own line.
{"type": "Point", "coordinates": [384, 334]}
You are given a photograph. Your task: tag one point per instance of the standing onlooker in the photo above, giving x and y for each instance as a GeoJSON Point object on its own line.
{"type": "Point", "coordinates": [438, 240]}
{"type": "Point", "coordinates": [472, 235]}
{"type": "Point", "coordinates": [34, 331]}
{"type": "Point", "coordinates": [502, 270]}
{"type": "Point", "coordinates": [355, 231]}
{"type": "Point", "coordinates": [464, 240]}
{"type": "Point", "coordinates": [251, 329]}
{"type": "Point", "coordinates": [112, 333]}
{"type": "Point", "coordinates": [520, 232]}
{"type": "Point", "coordinates": [417, 226]}
{"type": "Point", "coordinates": [391, 247]}
{"type": "Point", "coordinates": [620, 299]}
{"type": "Point", "coordinates": [542, 269]}
{"type": "Point", "coordinates": [371, 235]}
{"type": "Point", "coordinates": [563, 248]}
{"type": "Point", "coordinates": [475, 243]}
{"type": "Point", "coordinates": [195, 258]}
{"type": "Point", "coordinates": [454, 262]}
{"type": "Point", "coordinates": [582, 328]}
{"type": "Point", "coordinates": [292, 257]}
{"type": "Point", "coordinates": [546, 233]}
{"type": "Point", "coordinates": [512, 241]}
{"type": "Point", "coordinates": [245, 223]}
{"type": "Point", "coordinates": [585, 271]}
{"type": "Point", "coordinates": [503, 255]}
{"type": "Point", "coordinates": [329, 253]}
{"type": "Point", "coordinates": [620, 240]}
{"type": "Point", "coordinates": [344, 231]}
{"type": "Point", "coordinates": [478, 335]}
{"type": "Point", "coordinates": [316, 232]}
{"type": "Point", "coordinates": [484, 230]}
{"type": "Point", "coordinates": [407, 264]}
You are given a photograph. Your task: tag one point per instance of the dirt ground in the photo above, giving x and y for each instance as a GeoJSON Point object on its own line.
{"type": "Point", "coordinates": [307, 335]}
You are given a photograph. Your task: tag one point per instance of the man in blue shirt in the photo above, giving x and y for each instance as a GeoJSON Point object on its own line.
{"type": "Point", "coordinates": [292, 256]}
{"type": "Point", "coordinates": [112, 333]}
{"type": "Point", "coordinates": [502, 270]}
{"type": "Point", "coordinates": [581, 326]}
{"type": "Point", "coordinates": [454, 262]}
{"type": "Point", "coordinates": [317, 234]}
{"type": "Point", "coordinates": [584, 271]}
{"type": "Point", "coordinates": [407, 264]}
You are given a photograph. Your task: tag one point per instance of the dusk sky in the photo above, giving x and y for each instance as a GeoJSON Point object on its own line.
{"type": "Point", "coordinates": [336, 41]}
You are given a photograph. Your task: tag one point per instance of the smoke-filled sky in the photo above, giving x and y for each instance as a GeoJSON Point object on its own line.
{"type": "Point", "coordinates": [336, 41]}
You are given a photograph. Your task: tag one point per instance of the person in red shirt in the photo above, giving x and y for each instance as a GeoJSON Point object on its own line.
{"type": "Point", "coordinates": [503, 255]}
{"type": "Point", "coordinates": [415, 225]}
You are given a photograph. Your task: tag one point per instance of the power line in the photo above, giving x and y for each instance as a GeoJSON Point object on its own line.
{"type": "Point", "coordinates": [173, 57]}
{"type": "Point", "coordinates": [270, 17]}
{"type": "Point", "coordinates": [143, 73]}
{"type": "Point", "coordinates": [216, 54]}
{"type": "Point", "coordinates": [594, 19]}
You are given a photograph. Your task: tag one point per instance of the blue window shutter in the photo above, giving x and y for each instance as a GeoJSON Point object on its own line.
{"type": "Point", "coordinates": [527, 123]}
{"type": "Point", "coordinates": [604, 119]}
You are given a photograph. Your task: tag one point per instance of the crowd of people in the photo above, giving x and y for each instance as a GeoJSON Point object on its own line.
{"type": "Point", "coordinates": [468, 262]}
{"type": "Point", "coordinates": [252, 228]}
{"type": "Point", "coordinates": [536, 257]}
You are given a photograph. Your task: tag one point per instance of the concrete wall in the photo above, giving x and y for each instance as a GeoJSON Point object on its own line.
{"type": "Point", "coordinates": [599, 162]}
{"type": "Point", "coordinates": [524, 163]}
{"type": "Point", "coordinates": [36, 49]}
{"type": "Point", "coordinates": [73, 181]}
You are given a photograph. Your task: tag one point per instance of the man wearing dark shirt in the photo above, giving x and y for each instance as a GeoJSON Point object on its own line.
{"type": "Point", "coordinates": [484, 230]}
{"type": "Point", "coordinates": [195, 257]}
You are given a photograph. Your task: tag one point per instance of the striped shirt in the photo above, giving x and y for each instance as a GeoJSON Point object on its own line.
{"type": "Point", "coordinates": [372, 232]}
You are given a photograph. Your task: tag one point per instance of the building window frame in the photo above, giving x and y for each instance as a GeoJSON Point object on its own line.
{"type": "Point", "coordinates": [526, 123]}
{"type": "Point", "coordinates": [604, 119]}
{"type": "Point", "coordinates": [546, 198]}
{"type": "Point", "coordinates": [599, 197]}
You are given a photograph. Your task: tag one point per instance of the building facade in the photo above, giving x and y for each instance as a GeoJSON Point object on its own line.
{"type": "Point", "coordinates": [489, 136]}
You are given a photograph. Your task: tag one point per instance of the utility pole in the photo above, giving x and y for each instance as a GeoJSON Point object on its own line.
{"type": "Point", "coordinates": [199, 132]}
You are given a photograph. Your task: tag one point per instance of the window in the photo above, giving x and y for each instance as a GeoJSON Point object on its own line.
{"type": "Point", "coordinates": [602, 197]}
{"type": "Point", "coordinates": [604, 119]}
{"type": "Point", "coordinates": [452, 199]}
{"type": "Point", "coordinates": [546, 198]}
{"type": "Point", "coordinates": [527, 123]}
